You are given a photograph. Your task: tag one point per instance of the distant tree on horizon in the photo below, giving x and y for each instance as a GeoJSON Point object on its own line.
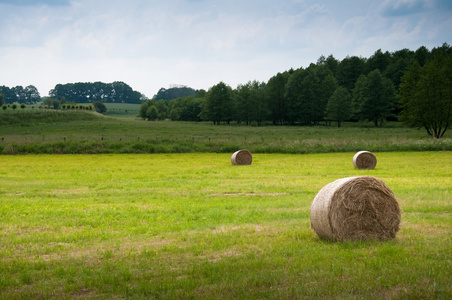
{"type": "Point", "coordinates": [99, 107]}
{"type": "Point", "coordinates": [174, 93]}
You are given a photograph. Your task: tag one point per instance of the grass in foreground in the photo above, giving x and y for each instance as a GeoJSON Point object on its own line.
{"type": "Point", "coordinates": [193, 226]}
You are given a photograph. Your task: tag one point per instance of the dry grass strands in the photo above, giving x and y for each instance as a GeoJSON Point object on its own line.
{"type": "Point", "coordinates": [355, 208]}
{"type": "Point", "coordinates": [242, 157]}
{"type": "Point", "coordinates": [364, 160]}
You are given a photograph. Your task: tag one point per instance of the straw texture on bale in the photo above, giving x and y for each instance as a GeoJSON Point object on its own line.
{"type": "Point", "coordinates": [355, 208]}
{"type": "Point", "coordinates": [364, 160]}
{"type": "Point", "coordinates": [242, 157]}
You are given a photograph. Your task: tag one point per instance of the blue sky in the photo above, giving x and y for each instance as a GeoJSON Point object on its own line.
{"type": "Point", "coordinates": [151, 44]}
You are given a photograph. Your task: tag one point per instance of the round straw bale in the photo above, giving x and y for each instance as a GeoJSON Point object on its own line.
{"type": "Point", "coordinates": [355, 208]}
{"type": "Point", "coordinates": [364, 160]}
{"type": "Point", "coordinates": [242, 157]}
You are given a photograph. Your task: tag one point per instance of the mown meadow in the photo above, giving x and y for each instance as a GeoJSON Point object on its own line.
{"type": "Point", "coordinates": [170, 225]}
{"type": "Point", "coordinates": [192, 226]}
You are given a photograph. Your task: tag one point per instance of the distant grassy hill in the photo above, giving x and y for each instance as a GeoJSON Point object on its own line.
{"type": "Point", "coordinates": [54, 131]}
{"type": "Point", "coordinates": [29, 117]}
{"type": "Point", "coordinates": [123, 110]}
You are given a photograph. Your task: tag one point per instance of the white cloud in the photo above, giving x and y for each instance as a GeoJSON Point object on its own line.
{"type": "Point", "coordinates": [151, 44]}
{"type": "Point", "coordinates": [403, 7]}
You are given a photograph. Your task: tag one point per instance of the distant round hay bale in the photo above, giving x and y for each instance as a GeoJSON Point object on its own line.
{"type": "Point", "coordinates": [355, 208]}
{"type": "Point", "coordinates": [242, 157]}
{"type": "Point", "coordinates": [364, 160]}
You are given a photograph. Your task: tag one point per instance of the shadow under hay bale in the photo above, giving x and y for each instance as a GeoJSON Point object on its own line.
{"type": "Point", "coordinates": [242, 157]}
{"type": "Point", "coordinates": [364, 160]}
{"type": "Point", "coordinates": [355, 208]}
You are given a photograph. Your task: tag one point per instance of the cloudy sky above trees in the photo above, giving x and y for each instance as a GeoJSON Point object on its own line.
{"type": "Point", "coordinates": [150, 44]}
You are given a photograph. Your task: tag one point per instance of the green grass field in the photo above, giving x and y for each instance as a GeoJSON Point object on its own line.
{"type": "Point", "coordinates": [123, 110]}
{"type": "Point", "coordinates": [192, 226]}
{"type": "Point", "coordinates": [81, 132]}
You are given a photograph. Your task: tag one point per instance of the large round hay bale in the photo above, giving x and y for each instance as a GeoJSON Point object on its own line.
{"type": "Point", "coordinates": [355, 208]}
{"type": "Point", "coordinates": [242, 157]}
{"type": "Point", "coordinates": [364, 160]}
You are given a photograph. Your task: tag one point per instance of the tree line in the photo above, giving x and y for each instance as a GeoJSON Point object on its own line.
{"type": "Point", "coordinates": [79, 92]}
{"type": "Point", "coordinates": [89, 92]}
{"type": "Point", "coordinates": [372, 89]}
{"type": "Point", "coordinates": [385, 86]}
{"type": "Point", "coordinates": [19, 94]}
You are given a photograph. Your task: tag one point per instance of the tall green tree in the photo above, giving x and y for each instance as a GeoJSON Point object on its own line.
{"type": "Point", "coordinates": [31, 95]}
{"type": "Point", "coordinates": [326, 88]}
{"type": "Point", "coordinates": [143, 111]}
{"type": "Point", "coordinates": [162, 108]}
{"type": "Point", "coordinates": [20, 92]}
{"type": "Point", "coordinates": [295, 98]}
{"type": "Point", "coordinates": [374, 98]}
{"type": "Point", "coordinates": [152, 113]}
{"type": "Point", "coordinates": [339, 107]}
{"type": "Point", "coordinates": [219, 104]}
{"type": "Point", "coordinates": [349, 70]}
{"type": "Point", "coordinates": [307, 93]}
{"type": "Point", "coordinates": [330, 62]}
{"type": "Point", "coordinates": [244, 101]}
{"type": "Point", "coordinates": [358, 93]}
{"type": "Point", "coordinates": [426, 94]}
{"type": "Point", "coordinates": [261, 110]}
{"type": "Point", "coordinates": [2, 99]}
{"type": "Point", "coordinates": [251, 105]}
{"type": "Point", "coordinates": [422, 55]}
{"type": "Point", "coordinates": [400, 60]}
{"type": "Point", "coordinates": [378, 60]}
{"type": "Point", "coordinates": [275, 90]}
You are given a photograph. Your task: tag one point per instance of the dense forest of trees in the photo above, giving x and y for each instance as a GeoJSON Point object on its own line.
{"type": "Point", "coordinates": [353, 89]}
